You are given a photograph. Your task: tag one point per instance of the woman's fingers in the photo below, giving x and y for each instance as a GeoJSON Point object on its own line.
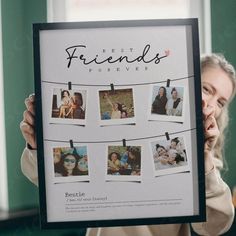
{"type": "Point", "coordinates": [28, 122]}
{"type": "Point", "coordinates": [28, 117]}
{"type": "Point", "coordinates": [26, 128]}
{"type": "Point", "coordinates": [211, 133]}
{"type": "Point", "coordinates": [30, 104]}
{"type": "Point", "coordinates": [28, 133]}
{"type": "Point", "coordinates": [210, 123]}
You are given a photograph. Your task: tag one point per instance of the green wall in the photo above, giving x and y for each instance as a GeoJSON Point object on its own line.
{"type": "Point", "coordinates": [224, 41]}
{"type": "Point", "coordinates": [17, 19]}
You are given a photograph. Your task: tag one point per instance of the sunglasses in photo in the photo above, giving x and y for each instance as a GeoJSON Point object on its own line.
{"type": "Point", "coordinates": [69, 160]}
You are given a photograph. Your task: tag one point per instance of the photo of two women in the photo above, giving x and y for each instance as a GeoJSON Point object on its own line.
{"type": "Point", "coordinates": [124, 160]}
{"type": "Point", "coordinates": [70, 161]}
{"type": "Point", "coordinates": [167, 101]}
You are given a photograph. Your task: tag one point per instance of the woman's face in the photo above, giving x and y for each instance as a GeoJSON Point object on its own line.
{"type": "Point", "coordinates": [69, 162]}
{"type": "Point", "coordinates": [131, 155]}
{"type": "Point", "coordinates": [57, 155]}
{"type": "Point", "coordinates": [116, 106]}
{"type": "Point", "coordinates": [172, 156]}
{"type": "Point", "coordinates": [161, 151]}
{"type": "Point", "coordinates": [174, 94]}
{"type": "Point", "coordinates": [65, 94]}
{"type": "Point", "coordinates": [114, 157]}
{"type": "Point", "coordinates": [217, 89]}
{"type": "Point", "coordinates": [124, 107]}
{"type": "Point", "coordinates": [161, 91]}
{"type": "Point", "coordinates": [173, 144]}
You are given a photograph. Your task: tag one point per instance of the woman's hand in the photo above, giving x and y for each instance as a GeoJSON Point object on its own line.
{"type": "Point", "coordinates": [211, 132]}
{"type": "Point", "coordinates": [27, 124]}
{"type": "Point", "coordinates": [211, 129]}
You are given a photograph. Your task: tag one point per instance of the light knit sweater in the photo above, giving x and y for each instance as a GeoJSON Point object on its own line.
{"type": "Point", "coordinates": [220, 210]}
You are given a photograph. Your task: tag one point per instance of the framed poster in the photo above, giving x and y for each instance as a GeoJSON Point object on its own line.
{"type": "Point", "coordinates": [119, 123]}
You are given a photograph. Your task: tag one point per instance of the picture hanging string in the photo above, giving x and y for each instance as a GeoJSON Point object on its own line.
{"type": "Point", "coordinates": [115, 141]}
{"type": "Point", "coordinates": [121, 85]}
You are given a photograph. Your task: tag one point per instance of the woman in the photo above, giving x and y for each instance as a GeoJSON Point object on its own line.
{"type": "Point", "coordinates": [130, 163]}
{"type": "Point", "coordinates": [159, 104]}
{"type": "Point", "coordinates": [68, 165]}
{"type": "Point", "coordinates": [161, 155]}
{"type": "Point", "coordinates": [124, 112]}
{"type": "Point", "coordinates": [134, 160]}
{"type": "Point", "coordinates": [77, 111]}
{"type": "Point", "coordinates": [83, 165]}
{"type": "Point", "coordinates": [113, 163]}
{"type": "Point", "coordinates": [218, 89]}
{"type": "Point", "coordinates": [174, 104]}
{"type": "Point", "coordinates": [164, 159]}
{"type": "Point", "coordinates": [115, 108]}
{"type": "Point", "coordinates": [176, 146]}
{"type": "Point", "coordinates": [66, 103]}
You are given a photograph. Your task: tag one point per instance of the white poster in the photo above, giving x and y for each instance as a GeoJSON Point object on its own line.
{"type": "Point", "coordinates": [119, 125]}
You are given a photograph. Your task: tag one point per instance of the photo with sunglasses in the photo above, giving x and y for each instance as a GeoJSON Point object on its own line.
{"type": "Point", "coordinates": [70, 161]}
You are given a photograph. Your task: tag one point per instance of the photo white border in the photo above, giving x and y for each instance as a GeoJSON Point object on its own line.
{"type": "Point", "coordinates": [69, 121]}
{"type": "Point", "coordinates": [69, 179]}
{"type": "Point", "coordinates": [171, 170]}
{"type": "Point", "coordinates": [121, 121]}
{"type": "Point", "coordinates": [168, 118]}
{"type": "Point", "coordinates": [124, 178]}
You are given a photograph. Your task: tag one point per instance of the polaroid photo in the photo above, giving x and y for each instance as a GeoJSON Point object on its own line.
{"type": "Point", "coordinates": [68, 106]}
{"type": "Point", "coordinates": [116, 107]}
{"type": "Point", "coordinates": [169, 156]}
{"type": "Point", "coordinates": [167, 103]}
{"type": "Point", "coordinates": [123, 163]}
{"type": "Point", "coordinates": [70, 164]}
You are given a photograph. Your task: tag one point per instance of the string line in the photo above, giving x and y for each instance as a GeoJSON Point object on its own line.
{"type": "Point", "coordinates": [120, 140]}
{"type": "Point", "coordinates": [118, 85]}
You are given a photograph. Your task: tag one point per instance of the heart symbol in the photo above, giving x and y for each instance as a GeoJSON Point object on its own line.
{"type": "Point", "coordinates": [167, 52]}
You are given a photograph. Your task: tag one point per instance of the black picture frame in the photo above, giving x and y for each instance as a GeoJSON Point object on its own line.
{"type": "Point", "coordinates": [40, 110]}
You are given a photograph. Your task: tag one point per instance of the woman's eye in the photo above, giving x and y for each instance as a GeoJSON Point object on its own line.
{"type": "Point", "coordinates": [205, 89]}
{"type": "Point", "coordinates": [221, 104]}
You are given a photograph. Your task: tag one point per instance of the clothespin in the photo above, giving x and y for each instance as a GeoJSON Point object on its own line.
{"type": "Point", "coordinates": [167, 136]}
{"type": "Point", "coordinates": [69, 85]}
{"type": "Point", "coordinates": [168, 83]}
{"type": "Point", "coordinates": [124, 142]}
{"type": "Point", "coordinates": [71, 143]}
{"type": "Point", "coordinates": [112, 88]}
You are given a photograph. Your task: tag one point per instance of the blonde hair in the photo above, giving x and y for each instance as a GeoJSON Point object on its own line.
{"type": "Point", "coordinates": [219, 61]}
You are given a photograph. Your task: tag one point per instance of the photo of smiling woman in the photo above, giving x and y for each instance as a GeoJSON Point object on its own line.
{"type": "Point", "coordinates": [117, 107]}
{"type": "Point", "coordinates": [160, 101]}
{"type": "Point", "coordinates": [67, 166]}
{"type": "Point", "coordinates": [69, 162]}
{"type": "Point", "coordinates": [68, 106]}
{"type": "Point", "coordinates": [169, 156]}
{"type": "Point", "coordinates": [124, 163]}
